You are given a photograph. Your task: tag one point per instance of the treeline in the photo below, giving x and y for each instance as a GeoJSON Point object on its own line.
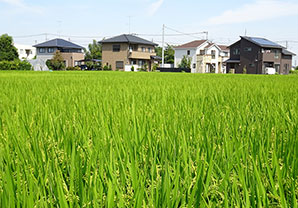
{"type": "Point", "coordinates": [9, 57]}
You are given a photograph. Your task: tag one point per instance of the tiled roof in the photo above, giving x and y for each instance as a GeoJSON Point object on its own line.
{"type": "Point", "coordinates": [193, 44]}
{"type": "Point", "coordinates": [286, 52]}
{"type": "Point", "coordinates": [60, 43]}
{"type": "Point", "coordinates": [128, 39]}
{"type": "Point", "coordinates": [209, 45]}
{"type": "Point", "coordinates": [223, 47]}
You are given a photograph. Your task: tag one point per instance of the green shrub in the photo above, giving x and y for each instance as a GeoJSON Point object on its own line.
{"type": "Point", "coordinates": [132, 68]}
{"type": "Point", "coordinates": [24, 66]}
{"type": "Point", "coordinates": [106, 68]}
{"type": "Point", "coordinates": [294, 72]}
{"type": "Point", "coordinates": [71, 68]}
{"type": "Point", "coordinates": [15, 65]}
{"type": "Point", "coordinates": [154, 68]}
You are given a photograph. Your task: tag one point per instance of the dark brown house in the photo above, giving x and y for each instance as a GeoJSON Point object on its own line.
{"type": "Point", "coordinates": [258, 56]}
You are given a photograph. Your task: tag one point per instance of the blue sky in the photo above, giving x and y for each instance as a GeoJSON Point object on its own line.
{"type": "Point", "coordinates": [82, 21]}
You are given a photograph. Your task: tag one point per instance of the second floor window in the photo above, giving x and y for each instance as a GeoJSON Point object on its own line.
{"type": "Point", "coordinates": [143, 49]}
{"type": "Point", "coordinates": [116, 48]}
{"type": "Point", "coordinates": [213, 54]}
{"type": "Point", "coordinates": [276, 54]}
{"type": "Point", "coordinates": [42, 50]}
{"type": "Point", "coordinates": [236, 51]}
{"type": "Point", "coordinates": [248, 49]}
{"type": "Point", "coordinates": [149, 50]}
{"type": "Point", "coordinates": [50, 50]}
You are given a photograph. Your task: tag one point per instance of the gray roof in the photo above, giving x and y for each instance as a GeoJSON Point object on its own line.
{"type": "Point", "coordinates": [286, 52]}
{"type": "Point", "coordinates": [59, 43]}
{"type": "Point", "coordinates": [128, 39]}
{"type": "Point", "coordinates": [262, 42]}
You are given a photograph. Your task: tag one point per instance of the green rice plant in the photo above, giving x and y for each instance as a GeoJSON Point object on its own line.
{"type": "Point", "coordinates": [112, 139]}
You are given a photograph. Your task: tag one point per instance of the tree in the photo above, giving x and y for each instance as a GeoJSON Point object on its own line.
{"type": "Point", "coordinates": [7, 50]}
{"type": "Point", "coordinates": [169, 53]}
{"type": "Point", "coordinates": [57, 62]}
{"type": "Point", "coordinates": [94, 51]}
{"type": "Point", "coordinates": [185, 62]}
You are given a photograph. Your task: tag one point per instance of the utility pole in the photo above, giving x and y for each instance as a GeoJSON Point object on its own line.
{"type": "Point", "coordinates": [163, 46]}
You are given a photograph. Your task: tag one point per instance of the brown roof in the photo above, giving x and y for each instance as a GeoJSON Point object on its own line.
{"type": "Point", "coordinates": [192, 44]}
{"type": "Point", "coordinates": [209, 45]}
{"type": "Point", "coordinates": [224, 47]}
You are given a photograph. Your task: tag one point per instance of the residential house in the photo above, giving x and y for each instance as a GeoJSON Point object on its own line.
{"type": "Point", "coordinates": [206, 57]}
{"type": "Point", "coordinates": [25, 51]}
{"type": "Point", "coordinates": [124, 51]}
{"type": "Point", "coordinates": [258, 56]}
{"type": "Point", "coordinates": [71, 53]}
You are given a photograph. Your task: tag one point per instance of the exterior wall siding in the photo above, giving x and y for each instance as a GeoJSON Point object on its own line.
{"type": "Point", "coordinates": [110, 58]}
{"type": "Point", "coordinates": [71, 58]}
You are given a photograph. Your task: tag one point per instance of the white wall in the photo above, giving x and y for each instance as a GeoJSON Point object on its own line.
{"type": "Point", "coordinates": [22, 51]}
{"type": "Point", "coordinates": [216, 60]}
{"type": "Point", "coordinates": [179, 53]}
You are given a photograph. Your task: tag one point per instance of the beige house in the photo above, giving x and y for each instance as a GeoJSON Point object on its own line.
{"type": "Point", "coordinates": [71, 53]}
{"type": "Point", "coordinates": [126, 51]}
{"type": "Point", "coordinates": [206, 57]}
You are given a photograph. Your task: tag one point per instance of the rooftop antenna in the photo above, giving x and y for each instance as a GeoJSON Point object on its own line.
{"type": "Point", "coordinates": [245, 33]}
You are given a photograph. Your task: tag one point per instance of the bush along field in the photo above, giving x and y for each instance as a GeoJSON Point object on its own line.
{"type": "Point", "coordinates": [114, 139]}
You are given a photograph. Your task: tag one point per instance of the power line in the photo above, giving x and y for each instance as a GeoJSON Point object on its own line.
{"type": "Point", "coordinates": [204, 32]}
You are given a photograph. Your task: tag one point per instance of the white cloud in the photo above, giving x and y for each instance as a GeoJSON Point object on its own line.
{"type": "Point", "coordinates": [259, 10]}
{"type": "Point", "coordinates": [20, 5]}
{"type": "Point", "coordinates": [153, 8]}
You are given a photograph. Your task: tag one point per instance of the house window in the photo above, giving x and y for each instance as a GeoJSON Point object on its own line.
{"type": "Point", "coordinates": [119, 64]}
{"type": "Point", "coordinates": [42, 50]}
{"type": "Point", "coordinates": [50, 50]}
{"type": "Point", "coordinates": [188, 52]}
{"type": "Point", "coordinates": [141, 63]}
{"type": "Point", "coordinates": [143, 49]}
{"type": "Point", "coordinates": [236, 51]}
{"type": "Point", "coordinates": [276, 54]}
{"type": "Point", "coordinates": [194, 66]}
{"type": "Point", "coordinates": [286, 67]}
{"type": "Point", "coordinates": [213, 54]}
{"type": "Point", "coordinates": [202, 52]}
{"type": "Point", "coordinates": [133, 62]}
{"type": "Point", "coordinates": [149, 50]}
{"type": "Point", "coordinates": [252, 65]}
{"type": "Point", "coordinates": [116, 48]}
{"type": "Point", "coordinates": [248, 49]}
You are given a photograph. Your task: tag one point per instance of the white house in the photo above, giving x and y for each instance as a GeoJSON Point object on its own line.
{"type": "Point", "coordinates": [26, 51]}
{"type": "Point", "coordinates": [206, 57]}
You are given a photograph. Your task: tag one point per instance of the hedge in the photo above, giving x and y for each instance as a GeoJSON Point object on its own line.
{"type": "Point", "coordinates": [15, 65]}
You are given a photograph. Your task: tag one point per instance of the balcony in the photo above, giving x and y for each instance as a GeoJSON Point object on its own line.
{"type": "Point", "coordinates": [140, 55]}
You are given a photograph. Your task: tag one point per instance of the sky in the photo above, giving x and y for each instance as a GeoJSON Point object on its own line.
{"type": "Point", "coordinates": [82, 21]}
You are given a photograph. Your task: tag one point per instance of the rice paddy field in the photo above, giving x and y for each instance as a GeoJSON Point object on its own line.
{"type": "Point", "coordinates": [115, 139]}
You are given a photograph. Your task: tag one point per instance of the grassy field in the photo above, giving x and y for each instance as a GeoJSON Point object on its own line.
{"type": "Point", "coordinates": [112, 139]}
